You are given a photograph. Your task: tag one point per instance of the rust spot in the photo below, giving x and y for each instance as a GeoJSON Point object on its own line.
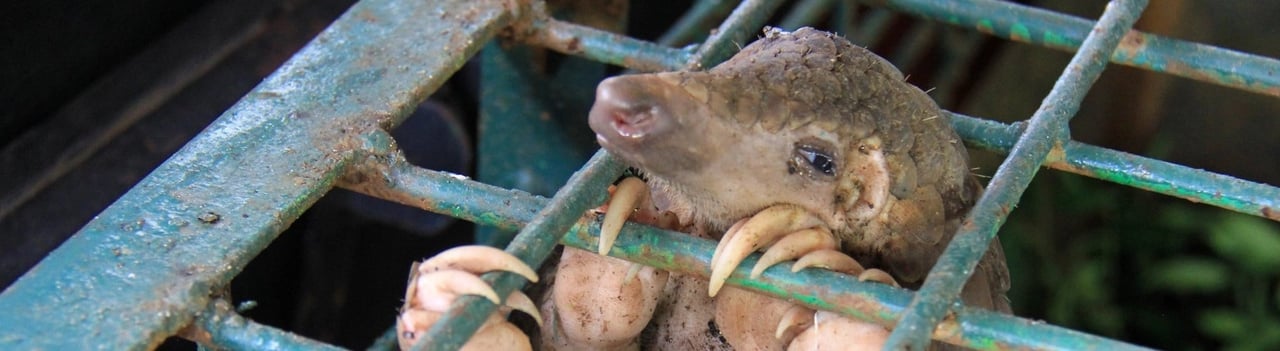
{"type": "Point", "coordinates": [574, 45]}
{"type": "Point", "coordinates": [209, 217]}
{"type": "Point", "coordinates": [1270, 213]}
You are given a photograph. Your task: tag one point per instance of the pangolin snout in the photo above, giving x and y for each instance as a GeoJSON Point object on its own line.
{"type": "Point", "coordinates": [627, 112]}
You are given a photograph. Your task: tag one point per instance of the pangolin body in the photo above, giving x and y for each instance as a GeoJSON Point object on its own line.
{"type": "Point", "coordinates": [805, 118]}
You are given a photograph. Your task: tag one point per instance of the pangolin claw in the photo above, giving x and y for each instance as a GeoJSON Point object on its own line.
{"type": "Point", "coordinates": [520, 302]}
{"type": "Point", "coordinates": [879, 276]}
{"type": "Point", "coordinates": [794, 245]}
{"type": "Point", "coordinates": [436, 282]}
{"type": "Point", "coordinates": [760, 230]}
{"type": "Point", "coordinates": [477, 259]}
{"type": "Point", "coordinates": [794, 320]}
{"type": "Point", "coordinates": [629, 192]}
{"type": "Point", "coordinates": [831, 260]}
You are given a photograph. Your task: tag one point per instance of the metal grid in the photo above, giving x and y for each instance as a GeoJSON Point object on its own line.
{"type": "Point", "coordinates": [152, 264]}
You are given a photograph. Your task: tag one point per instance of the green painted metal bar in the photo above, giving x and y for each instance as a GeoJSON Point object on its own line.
{"type": "Point", "coordinates": [394, 179]}
{"type": "Point", "coordinates": [696, 22]}
{"type": "Point", "coordinates": [1027, 24]}
{"type": "Point", "coordinates": [872, 27]}
{"type": "Point", "coordinates": [219, 327]}
{"type": "Point", "coordinates": [147, 264]}
{"type": "Point", "coordinates": [743, 24]}
{"type": "Point", "coordinates": [388, 176]}
{"type": "Point", "coordinates": [1128, 169]}
{"type": "Point", "coordinates": [1046, 130]}
{"type": "Point", "coordinates": [595, 44]}
{"type": "Point", "coordinates": [805, 13]}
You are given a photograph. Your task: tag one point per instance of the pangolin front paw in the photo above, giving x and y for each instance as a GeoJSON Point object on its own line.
{"type": "Point", "coordinates": [437, 281]}
{"type": "Point", "coordinates": [600, 302]}
{"type": "Point", "coordinates": [802, 328]}
{"type": "Point", "coordinates": [789, 232]}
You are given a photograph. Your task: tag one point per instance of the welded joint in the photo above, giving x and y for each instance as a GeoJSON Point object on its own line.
{"type": "Point", "coordinates": [219, 326]}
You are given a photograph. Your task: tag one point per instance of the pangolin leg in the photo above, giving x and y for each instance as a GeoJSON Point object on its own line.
{"type": "Point", "coordinates": [436, 282]}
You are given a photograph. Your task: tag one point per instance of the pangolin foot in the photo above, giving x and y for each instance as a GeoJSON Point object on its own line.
{"type": "Point", "coordinates": [436, 282]}
{"type": "Point", "coordinates": [802, 328]}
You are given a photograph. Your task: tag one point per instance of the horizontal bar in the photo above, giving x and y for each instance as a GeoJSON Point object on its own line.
{"type": "Point", "coordinates": [146, 265]}
{"type": "Point", "coordinates": [619, 50]}
{"type": "Point", "coordinates": [1046, 130]}
{"type": "Point", "coordinates": [1027, 24]}
{"type": "Point", "coordinates": [1144, 173]}
{"type": "Point", "coordinates": [683, 253]}
{"type": "Point", "coordinates": [825, 290]}
{"type": "Point", "coordinates": [390, 177]}
{"type": "Point", "coordinates": [219, 327]}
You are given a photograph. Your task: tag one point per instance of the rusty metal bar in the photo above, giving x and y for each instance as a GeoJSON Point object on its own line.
{"type": "Point", "coordinates": [219, 327]}
{"type": "Point", "coordinates": [1040, 27]}
{"type": "Point", "coordinates": [1046, 130]}
{"type": "Point", "coordinates": [1153, 175]}
{"type": "Point", "coordinates": [701, 17]}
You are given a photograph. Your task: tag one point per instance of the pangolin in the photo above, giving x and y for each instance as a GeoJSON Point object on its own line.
{"type": "Point", "coordinates": [802, 144]}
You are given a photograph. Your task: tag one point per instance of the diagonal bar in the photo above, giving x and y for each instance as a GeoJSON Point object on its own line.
{"type": "Point", "coordinates": [745, 21]}
{"type": "Point", "coordinates": [1057, 31]}
{"type": "Point", "coordinates": [534, 243]}
{"type": "Point", "coordinates": [1047, 129]}
{"type": "Point", "coordinates": [146, 265]}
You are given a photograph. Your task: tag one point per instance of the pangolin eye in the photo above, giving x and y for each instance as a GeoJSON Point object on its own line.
{"type": "Point", "coordinates": [820, 160]}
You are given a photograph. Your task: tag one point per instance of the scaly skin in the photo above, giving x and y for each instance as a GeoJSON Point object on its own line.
{"type": "Point", "coordinates": [805, 120]}
{"type": "Point", "coordinates": [729, 142]}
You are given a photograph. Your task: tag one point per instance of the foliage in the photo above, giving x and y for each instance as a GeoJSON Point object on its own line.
{"type": "Point", "coordinates": [1144, 267]}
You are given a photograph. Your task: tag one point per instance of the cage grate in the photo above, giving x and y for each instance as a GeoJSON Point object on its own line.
{"type": "Point", "coordinates": [152, 264]}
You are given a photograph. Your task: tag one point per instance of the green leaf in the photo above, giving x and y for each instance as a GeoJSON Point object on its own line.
{"type": "Point", "coordinates": [1251, 242]}
{"type": "Point", "coordinates": [1188, 275]}
{"type": "Point", "coordinates": [1223, 324]}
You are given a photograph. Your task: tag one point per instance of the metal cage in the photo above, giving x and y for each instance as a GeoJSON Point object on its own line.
{"type": "Point", "coordinates": [148, 266]}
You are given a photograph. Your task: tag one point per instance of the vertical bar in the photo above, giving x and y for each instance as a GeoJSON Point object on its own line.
{"type": "Point", "coordinates": [143, 267]}
{"type": "Point", "coordinates": [1046, 130]}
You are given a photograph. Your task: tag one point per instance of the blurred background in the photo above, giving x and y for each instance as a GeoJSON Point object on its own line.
{"type": "Point", "coordinates": [97, 93]}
